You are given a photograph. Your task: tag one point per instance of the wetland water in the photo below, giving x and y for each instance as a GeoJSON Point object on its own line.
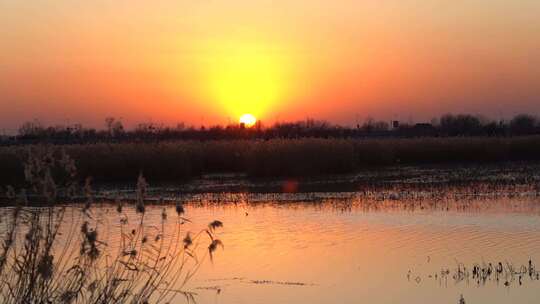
{"type": "Point", "coordinates": [346, 249]}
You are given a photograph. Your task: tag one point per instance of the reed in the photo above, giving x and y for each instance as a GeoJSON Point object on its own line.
{"type": "Point", "coordinates": [182, 160]}
{"type": "Point", "coordinates": [61, 254]}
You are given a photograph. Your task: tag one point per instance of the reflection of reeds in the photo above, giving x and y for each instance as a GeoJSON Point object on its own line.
{"type": "Point", "coordinates": [59, 254]}
{"type": "Point", "coordinates": [277, 157]}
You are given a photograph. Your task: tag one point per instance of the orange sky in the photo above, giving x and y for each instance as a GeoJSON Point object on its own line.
{"type": "Point", "coordinates": [208, 61]}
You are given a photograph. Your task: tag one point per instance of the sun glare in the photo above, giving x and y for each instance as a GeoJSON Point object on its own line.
{"type": "Point", "coordinates": [248, 120]}
{"type": "Point", "coordinates": [245, 79]}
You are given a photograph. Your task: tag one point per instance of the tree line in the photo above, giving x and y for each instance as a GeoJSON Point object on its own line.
{"type": "Point", "coordinates": [448, 125]}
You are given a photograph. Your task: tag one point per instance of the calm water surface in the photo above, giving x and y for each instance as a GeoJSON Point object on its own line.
{"type": "Point", "coordinates": [346, 253]}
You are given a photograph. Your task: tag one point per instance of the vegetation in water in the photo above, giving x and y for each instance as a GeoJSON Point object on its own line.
{"type": "Point", "coordinates": [502, 273]}
{"type": "Point", "coordinates": [66, 254]}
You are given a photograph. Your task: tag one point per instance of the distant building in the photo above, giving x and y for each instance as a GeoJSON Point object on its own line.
{"type": "Point", "coordinates": [395, 124]}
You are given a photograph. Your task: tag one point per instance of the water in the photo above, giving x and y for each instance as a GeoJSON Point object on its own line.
{"type": "Point", "coordinates": [324, 253]}
{"type": "Point", "coordinates": [353, 247]}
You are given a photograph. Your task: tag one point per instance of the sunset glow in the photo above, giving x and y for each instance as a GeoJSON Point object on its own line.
{"type": "Point", "coordinates": [245, 79]}
{"type": "Point", "coordinates": [208, 62]}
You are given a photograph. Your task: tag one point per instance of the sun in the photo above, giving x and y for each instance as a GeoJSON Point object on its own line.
{"type": "Point", "coordinates": [248, 120]}
{"type": "Point", "coordinates": [245, 78]}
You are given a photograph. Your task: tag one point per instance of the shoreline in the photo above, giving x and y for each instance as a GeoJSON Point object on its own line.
{"type": "Point", "coordinates": [512, 179]}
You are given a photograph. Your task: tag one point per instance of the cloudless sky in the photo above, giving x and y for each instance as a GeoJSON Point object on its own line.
{"type": "Point", "coordinates": [209, 61]}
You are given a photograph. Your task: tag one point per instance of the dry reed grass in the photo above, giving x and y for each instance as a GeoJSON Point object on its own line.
{"type": "Point", "coordinates": [183, 160]}
{"type": "Point", "coordinates": [60, 254]}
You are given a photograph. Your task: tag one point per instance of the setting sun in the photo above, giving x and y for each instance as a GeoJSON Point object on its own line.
{"type": "Point", "coordinates": [248, 120]}
{"type": "Point", "coordinates": [246, 77]}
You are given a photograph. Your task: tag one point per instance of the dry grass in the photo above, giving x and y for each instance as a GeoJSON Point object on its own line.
{"type": "Point", "coordinates": [182, 160]}
{"type": "Point", "coordinates": [59, 254]}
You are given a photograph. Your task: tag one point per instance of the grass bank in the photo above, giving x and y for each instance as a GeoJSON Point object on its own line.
{"type": "Point", "coordinates": [182, 160]}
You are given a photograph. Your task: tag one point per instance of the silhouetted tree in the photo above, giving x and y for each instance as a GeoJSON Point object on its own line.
{"type": "Point", "coordinates": [462, 124]}
{"type": "Point", "coordinates": [523, 124]}
{"type": "Point", "coordinates": [371, 125]}
{"type": "Point", "coordinates": [31, 129]}
{"type": "Point", "coordinates": [448, 125]}
{"type": "Point", "coordinates": [114, 126]}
